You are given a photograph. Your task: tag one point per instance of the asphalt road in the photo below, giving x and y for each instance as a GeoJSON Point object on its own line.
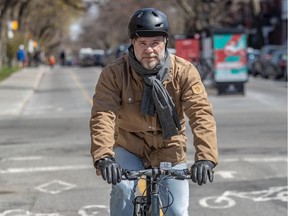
{"type": "Point", "coordinates": [46, 168]}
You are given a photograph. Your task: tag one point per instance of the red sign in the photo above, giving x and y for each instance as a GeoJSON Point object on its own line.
{"type": "Point", "coordinates": [188, 49]}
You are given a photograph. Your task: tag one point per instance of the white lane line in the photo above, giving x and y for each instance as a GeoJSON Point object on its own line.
{"type": "Point", "coordinates": [275, 159]}
{"type": "Point", "coordinates": [250, 159]}
{"type": "Point", "coordinates": [226, 174]}
{"type": "Point", "coordinates": [44, 169]}
{"type": "Point", "coordinates": [256, 159]}
{"type": "Point", "coordinates": [81, 167]}
{"type": "Point", "coordinates": [23, 158]}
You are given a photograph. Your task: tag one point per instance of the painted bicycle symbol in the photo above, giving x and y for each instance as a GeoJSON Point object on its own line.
{"type": "Point", "coordinates": [225, 200]}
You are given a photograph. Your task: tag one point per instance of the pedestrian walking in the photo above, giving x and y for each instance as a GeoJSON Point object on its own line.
{"type": "Point", "coordinates": [21, 56]}
{"type": "Point", "coordinates": [52, 61]}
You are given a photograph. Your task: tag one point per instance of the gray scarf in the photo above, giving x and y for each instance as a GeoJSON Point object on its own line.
{"type": "Point", "coordinates": [155, 96]}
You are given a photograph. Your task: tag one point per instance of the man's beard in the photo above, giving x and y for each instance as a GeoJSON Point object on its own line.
{"type": "Point", "coordinates": [152, 64]}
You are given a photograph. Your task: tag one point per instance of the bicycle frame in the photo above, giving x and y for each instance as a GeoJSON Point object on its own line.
{"type": "Point", "coordinates": [149, 205]}
{"type": "Point", "coordinates": [152, 195]}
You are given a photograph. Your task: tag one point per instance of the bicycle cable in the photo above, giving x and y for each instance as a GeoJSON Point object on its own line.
{"type": "Point", "coordinates": [169, 194]}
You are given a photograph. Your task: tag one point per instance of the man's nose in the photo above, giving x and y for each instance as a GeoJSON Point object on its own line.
{"type": "Point", "coordinates": [149, 49]}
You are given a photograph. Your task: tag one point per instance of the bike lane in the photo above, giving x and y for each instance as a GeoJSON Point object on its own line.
{"type": "Point", "coordinates": [231, 189]}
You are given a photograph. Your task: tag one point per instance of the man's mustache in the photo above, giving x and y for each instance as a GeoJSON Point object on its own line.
{"type": "Point", "coordinates": [150, 56]}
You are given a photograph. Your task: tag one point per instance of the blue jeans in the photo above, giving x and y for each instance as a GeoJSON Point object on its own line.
{"type": "Point", "coordinates": [123, 194]}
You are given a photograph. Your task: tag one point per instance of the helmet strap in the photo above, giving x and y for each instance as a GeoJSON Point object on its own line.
{"type": "Point", "coordinates": [166, 45]}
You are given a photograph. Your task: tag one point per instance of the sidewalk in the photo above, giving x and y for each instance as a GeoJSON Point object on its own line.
{"type": "Point", "coordinates": [16, 90]}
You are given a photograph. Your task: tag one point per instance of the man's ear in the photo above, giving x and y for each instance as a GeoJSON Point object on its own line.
{"type": "Point", "coordinates": [132, 41]}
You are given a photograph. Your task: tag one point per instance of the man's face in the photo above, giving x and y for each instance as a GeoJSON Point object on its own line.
{"type": "Point", "coordinates": [149, 50]}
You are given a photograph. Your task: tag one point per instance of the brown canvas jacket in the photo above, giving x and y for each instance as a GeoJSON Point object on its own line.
{"type": "Point", "coordinates": [116, 118]}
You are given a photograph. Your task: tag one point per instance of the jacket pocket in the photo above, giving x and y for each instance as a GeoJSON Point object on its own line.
{"type": "Point", "coordinates": [129, 116]}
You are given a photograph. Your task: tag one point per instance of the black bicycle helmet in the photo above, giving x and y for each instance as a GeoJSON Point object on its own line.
{"type": "Point", "coordinates": [148, 22]}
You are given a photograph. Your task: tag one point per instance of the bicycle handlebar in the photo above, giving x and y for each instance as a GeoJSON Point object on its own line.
{"type": "Point", "coordinates": [154, 172]}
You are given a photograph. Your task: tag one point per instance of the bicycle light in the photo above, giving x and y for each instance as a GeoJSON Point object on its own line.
{"type": "Point", "coordinates": [165, 166]}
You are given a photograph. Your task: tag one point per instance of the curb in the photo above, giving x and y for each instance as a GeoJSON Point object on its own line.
{"type": "Point", "coordinates": [17, 90]}
{"type": "Point", "coordinates": [35, 86]}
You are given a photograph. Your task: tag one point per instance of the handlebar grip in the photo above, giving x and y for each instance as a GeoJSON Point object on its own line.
{"type": "Point", "coordinates": [181, 174]}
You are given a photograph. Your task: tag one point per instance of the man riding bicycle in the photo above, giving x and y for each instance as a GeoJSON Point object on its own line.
{"type": "Point", "coordinates": [138, 116]}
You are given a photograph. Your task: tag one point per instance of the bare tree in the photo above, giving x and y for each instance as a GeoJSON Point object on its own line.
{"type": "Point", "coordinates": [6, 8]}
{"type": "Point", "coordinates": [109, 28]}
{"type": "Point", "coordinates": [45, 21]}
{"type": "Point", "coordinates": [203, 14]}
{"type": "Point", "coordinates": [49, 21]}
{"type": "Point", "coordinates": [186, 17]}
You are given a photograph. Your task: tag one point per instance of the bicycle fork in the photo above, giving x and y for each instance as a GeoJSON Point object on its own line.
{"type": "Point", "coordinates": [153, 198]}
{"type": "Point", "coordinates": [149, 204]}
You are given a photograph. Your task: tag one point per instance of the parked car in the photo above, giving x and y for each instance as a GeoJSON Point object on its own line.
{"type": "Point", "coordinates": [86, 57]}
{"type": "Point", "coordinates": [121, 50]}
{"type": "Point", "coordinates": [258, 66]}
{"type": "Point", "coordinates": [91, 57]}
{"type": "Point", "coordinates": [276, 67]}
{"type": "Point", "coordinates": [98, 56]}
{"type": "Point", "coordinates": [282, 64]}
{"type": "Point", "coordinates": [113, 53]}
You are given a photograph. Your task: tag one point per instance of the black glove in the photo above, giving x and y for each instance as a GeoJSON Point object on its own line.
{"type": "Point", "coordinates": [110, 170]}
{"type": "Point", "coordinates": [201, 170]}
